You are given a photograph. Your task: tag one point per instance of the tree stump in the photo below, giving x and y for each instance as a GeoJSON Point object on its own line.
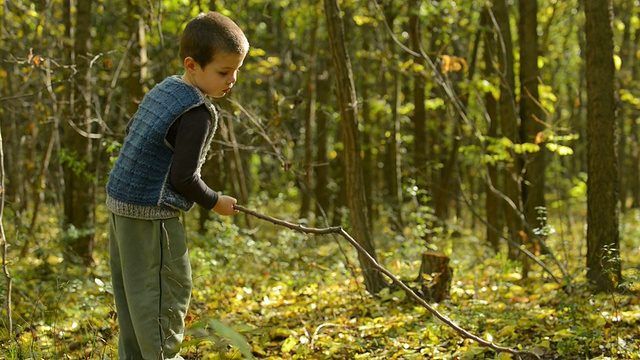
{"type": "Point", "coordinates": [435, 276]}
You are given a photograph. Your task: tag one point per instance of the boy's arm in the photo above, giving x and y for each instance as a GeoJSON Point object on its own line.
{"type": "Point", "coordinates": [188, 137]}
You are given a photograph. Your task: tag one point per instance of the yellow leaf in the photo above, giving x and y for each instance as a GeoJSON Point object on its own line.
{"type": "Point", "coordinates": [617, 61]}
{"type": "Point", "coordinates": [289, 344]}
{"type": "Point", "coordinates": [255, 52]}
{"type": "Point", "coordinates": [507, 331]}
{"type": "Point", "coordinates": [503, 356]}
{"type": "Point", "coordinates": [548, 287]}
{"type": "Point", "coordinates": [280, 333]}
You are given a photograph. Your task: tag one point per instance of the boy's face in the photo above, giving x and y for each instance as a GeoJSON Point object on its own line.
{"type": "Point", "coordinates": [217, 77]}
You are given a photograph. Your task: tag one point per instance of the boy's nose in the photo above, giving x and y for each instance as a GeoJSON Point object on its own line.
{"type": "Point", "coordinates": [233, 78]}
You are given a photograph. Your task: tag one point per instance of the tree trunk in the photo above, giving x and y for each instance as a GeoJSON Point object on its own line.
{"type": "Point", "coordinates": [509, 123]}
{"type": "Point", "coordinates": [531, 117]}
{"type": "Point", "coordinates": [79, 202]}
{"type": "Point", "coordinates": [419, 119]}
{"type": "Point", "coordinates": [634, 172]}
{"type": "Point", "coordinates": [492, 202]}
{"type": "Point", "coordinates": [138, 57]}
{"type": "Point", "coordinates": [368, 158]}
{"type": "Point", "coordinates": [309, 123]}
{"type": "Point", "coordinates": [392, 163]}
{"type": "Point", "coordinates": [628, 114]}
{"type": "Point", "coordinates": [347, 100]}
{"type": "Point", "coordinates": [321, 170]}
{"type": "Point", "coordinates": [603, 238]}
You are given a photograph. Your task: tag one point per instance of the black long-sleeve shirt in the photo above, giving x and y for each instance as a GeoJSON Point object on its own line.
{"type": "Point", "coordinates": [188, 135]}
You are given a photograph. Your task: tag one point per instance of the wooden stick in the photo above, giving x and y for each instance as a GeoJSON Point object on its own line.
{"type": "Point", "coordinates": [339, 230]}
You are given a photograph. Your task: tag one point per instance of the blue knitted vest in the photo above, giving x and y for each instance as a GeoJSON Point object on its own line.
{"type": "Point", "coordinates": [139, 185]}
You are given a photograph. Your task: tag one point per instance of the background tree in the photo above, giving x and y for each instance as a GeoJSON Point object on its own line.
{"type": "Point", "coordinates": [603, 237]}
{"type": "Point", "coordinates": [78, 161]}
{"type": "Point", "coordinates": [492, 182]}
{"type": "Point", "coordinates": [508, 121]}
{"type": "Point", "coordinates": [447, 155]}
{"type": "Point", "coordinates": [347, 100]}
{"type": "Point", "coordinates": [532, 122]}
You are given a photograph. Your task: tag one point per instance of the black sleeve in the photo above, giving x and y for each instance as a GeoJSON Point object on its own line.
{"type": "Point", "coordinates": [188, 136]}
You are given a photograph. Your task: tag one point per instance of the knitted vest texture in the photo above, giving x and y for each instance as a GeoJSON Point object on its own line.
{"type": "Point", "coordinates": [139, 185]}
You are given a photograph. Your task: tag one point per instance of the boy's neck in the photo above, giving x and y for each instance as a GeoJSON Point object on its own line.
{"type": "Point", "coordinates": [186, 80]}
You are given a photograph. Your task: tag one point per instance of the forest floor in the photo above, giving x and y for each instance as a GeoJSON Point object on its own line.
{"type": "Point", "coordinates": [279, 294]}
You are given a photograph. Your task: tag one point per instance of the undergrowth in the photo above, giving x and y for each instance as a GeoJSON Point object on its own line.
{"type": "Point", "coordinates": [286, 295]}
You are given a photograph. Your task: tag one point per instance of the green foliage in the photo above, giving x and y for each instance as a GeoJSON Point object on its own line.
{"type": "Point", "coordinates": [297, 296]}
{"type": "Point", "coordinates": [291, 295]}
{"type": "Point", "coordinates": [75, 162]}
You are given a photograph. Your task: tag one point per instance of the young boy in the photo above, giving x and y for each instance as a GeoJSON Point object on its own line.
{"type": "Point", "coordinates": [156, 177]}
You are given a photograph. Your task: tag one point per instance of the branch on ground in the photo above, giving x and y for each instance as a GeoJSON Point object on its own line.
{"type": "Point", "coordinates": [340, 231]}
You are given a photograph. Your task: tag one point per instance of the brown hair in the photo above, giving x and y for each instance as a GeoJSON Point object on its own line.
{"type": "Point", "coordinates": [209, 34]}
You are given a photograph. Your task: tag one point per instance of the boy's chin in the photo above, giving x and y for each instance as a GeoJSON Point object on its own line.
{"type": "Point", "coordinates": [220, 94]}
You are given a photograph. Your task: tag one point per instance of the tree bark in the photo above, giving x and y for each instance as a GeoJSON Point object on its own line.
{"type": "Point", "coordinates": [79, 202]}
{"type": "Point", "coordinates": [492, 202]}
{"type": "Point", "coordinates": [508, 122]}
{"type": "Point", "coordinates": [4, 249]}
{"type": "Point", "coordinates": [392, 161]}
{"type": "Point", "coordinates": [634, 173]}
{"type": "Point", "coordinates": [368, 124]}
{"type": "Point", "coordinates": [309, 123]}
{"type": "Point", "coordinates": [137, 58]}
{"type": "Point", "coordinates": [603, 238]}
{"type": "Point", "coordinates": [531, 117]}
{"type": "Point", "coordinates": [356, 199]}
{"type": "Point", "coordinates": [321, 170]}
{"type": "Point", "coordinates": [419, 118]}
{"type": "Point", "coordinates": [435, 276]}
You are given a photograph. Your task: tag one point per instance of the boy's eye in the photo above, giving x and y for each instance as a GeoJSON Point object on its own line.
{"type": "Point", "coordinates": [224, 73]}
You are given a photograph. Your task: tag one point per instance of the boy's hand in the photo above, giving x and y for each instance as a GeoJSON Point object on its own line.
{"type": "Point", "coordinates": [224, 206]}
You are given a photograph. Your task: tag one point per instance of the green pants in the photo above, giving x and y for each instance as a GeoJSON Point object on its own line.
{"type": "Point", "coordinates": [151, 276]}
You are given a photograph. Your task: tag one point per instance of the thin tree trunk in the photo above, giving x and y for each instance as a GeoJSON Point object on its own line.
{"type": "Point", "coordinates": [368, 159]}
{"type": "Point", "coordinates": [634, 172]}
{"type": "Point", "coordinates": [531, 117]}
{"type": "Point", "coordinates": [603, 237]}
{"type": "Point", "coordinates": [138, 56]}
{"type": "Point", "coordinates": [309, 123]}
{"type": "Point", "coordinates": [628, 144]}
{"type": "Point", "coordinates": [321, 170]}
{"type": "Point", "coordinates": [5, 247]}
{"type": "Point", "coordinates": [14, 154]}
{"type": "Point", "coordinates": [347, 100]}
{"type": "Point", "coordinates": [392, 173]}
{"type": "Point", "coordinates": [393, 154]}
{"type": "Point", "coordinates": [509, 122]}
{"type": "Point", "coordinates": [492, 203]}
{"type": "Point", "coordinates": [419, 119]}
{"type": "Point", "coordinates": [79, 190]}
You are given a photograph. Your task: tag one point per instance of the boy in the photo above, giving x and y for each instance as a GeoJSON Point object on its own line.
{"type": "Point", "coordinates": [156, 177]}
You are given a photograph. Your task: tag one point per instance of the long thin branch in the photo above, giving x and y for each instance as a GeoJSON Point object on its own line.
{"type": "Point", "coordinates": [339, 230]}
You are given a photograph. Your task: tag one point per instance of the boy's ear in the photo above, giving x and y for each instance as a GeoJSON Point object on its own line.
{"type": "Point", "coordinates": [189, 64]}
